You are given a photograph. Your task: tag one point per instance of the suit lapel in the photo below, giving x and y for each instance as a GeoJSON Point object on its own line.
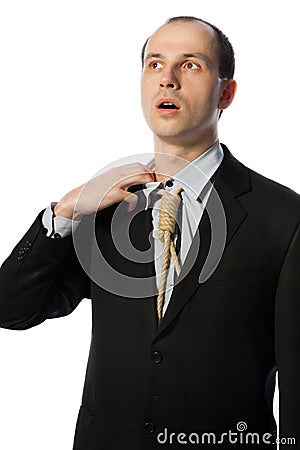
{"type": "Point", "coordinates": [231, 180]}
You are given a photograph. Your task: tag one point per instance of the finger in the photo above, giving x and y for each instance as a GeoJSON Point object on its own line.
{"type": "Point", "coordinates": [141, 168]}
{"type": "Point", "coordinates": [138, 178]}
{"type": "Point", "coordinates": [151, 173]}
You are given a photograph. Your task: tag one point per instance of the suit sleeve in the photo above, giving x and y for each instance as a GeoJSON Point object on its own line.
{"type": "Point", "coordinates": [287, 343]}
{"type": "Point", "coordinates": [41, 279]}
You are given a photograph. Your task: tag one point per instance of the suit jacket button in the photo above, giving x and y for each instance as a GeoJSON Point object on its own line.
{"type": "Point", "coordinates": [149, 427]}
{"type": "Point", "coordinates": [57, 236]}
{"type": "Point", "coordinates": [156, 357]}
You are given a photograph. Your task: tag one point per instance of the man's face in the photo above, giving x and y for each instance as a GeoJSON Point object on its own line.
{"type": "Point", "coordinates": [180, 84]}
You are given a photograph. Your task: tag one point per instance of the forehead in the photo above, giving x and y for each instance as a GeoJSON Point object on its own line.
{"type": "Point", "coordinates": [183, 37]}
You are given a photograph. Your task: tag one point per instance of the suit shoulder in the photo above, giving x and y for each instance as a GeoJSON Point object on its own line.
{"type": "Point", "coordinates": [259, 184]}
{"type": "Point", "coordinates": [272, 194]}
{"type": "Point", "coordinates": [272, 187]}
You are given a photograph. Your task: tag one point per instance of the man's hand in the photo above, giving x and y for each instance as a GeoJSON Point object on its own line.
{"type": "Point", "coordinates": [104, 190]}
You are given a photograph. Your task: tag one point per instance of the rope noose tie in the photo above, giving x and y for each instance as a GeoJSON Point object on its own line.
{"type": "Point", "coordinates": [166, 226]}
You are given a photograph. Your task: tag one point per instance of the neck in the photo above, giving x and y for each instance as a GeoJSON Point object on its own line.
{"type": "Point", "coordinates": [170, 157]}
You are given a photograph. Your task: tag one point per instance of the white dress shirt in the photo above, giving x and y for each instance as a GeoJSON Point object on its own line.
{"type": "Point", "coordinates": [193, 178]}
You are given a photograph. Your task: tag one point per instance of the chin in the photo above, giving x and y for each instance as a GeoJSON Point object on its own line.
{"type": "Point", "coordinates": [167, 132]}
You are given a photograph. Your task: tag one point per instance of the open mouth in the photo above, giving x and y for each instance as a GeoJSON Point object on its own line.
{"type": "Point", "coordinates": [167, 105]}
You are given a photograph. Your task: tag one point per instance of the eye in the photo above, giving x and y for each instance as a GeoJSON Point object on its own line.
{"type": "Point", "coordinates": [191, 65]}
{"type": "Point", "coordinates": [155, 65]}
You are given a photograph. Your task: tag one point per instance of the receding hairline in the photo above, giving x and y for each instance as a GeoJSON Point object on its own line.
{"type": "Point", "coordinates": [178, 21]}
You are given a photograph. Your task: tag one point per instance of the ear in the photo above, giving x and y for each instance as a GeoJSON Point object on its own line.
{"type": "Point", "coordinates": [227, 93]}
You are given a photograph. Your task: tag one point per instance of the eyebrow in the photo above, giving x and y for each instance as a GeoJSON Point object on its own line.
{"type": "Point", "coordinates": [154, 55]}
{"type": "Point", "coordinates": [198, 55]}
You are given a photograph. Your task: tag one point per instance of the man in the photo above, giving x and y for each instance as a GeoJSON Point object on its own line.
{"type": "Point", "coordinates": [202, 371]}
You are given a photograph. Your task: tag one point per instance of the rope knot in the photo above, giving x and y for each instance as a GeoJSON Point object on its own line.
{"type": "Point", "coordinates": [168, 212]}
{"type": "Point", "coordinates": [166, 226]}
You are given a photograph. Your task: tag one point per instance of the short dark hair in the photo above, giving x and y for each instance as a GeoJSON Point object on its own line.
{"type": "Point", "coordinates": [225, 49]}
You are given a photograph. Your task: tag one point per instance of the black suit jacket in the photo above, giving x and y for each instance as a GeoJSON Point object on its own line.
{"type": "Point", "coordinates": [211, 364]}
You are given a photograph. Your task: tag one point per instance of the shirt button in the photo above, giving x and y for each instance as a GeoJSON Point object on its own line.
{"type": "Point", "coordinates": [149, 427]}
{"type": "Point", "coordinates": [169, 183]}
{"type": "Point", "coordinates": [156, 357]}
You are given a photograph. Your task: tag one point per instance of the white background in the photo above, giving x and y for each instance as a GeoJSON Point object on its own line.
{"type": "Point", "coordinates": [69, 105]}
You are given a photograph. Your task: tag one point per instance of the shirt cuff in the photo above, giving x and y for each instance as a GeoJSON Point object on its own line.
{"type": "Point", "coordinates": [58, 227]}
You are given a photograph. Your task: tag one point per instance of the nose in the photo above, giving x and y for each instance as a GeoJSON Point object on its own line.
{"type": "Point", "coordinates": [169, 79]}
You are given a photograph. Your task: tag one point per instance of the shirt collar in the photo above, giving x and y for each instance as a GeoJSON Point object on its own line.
{"type": "Point", "coordinates": [194, 176]}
